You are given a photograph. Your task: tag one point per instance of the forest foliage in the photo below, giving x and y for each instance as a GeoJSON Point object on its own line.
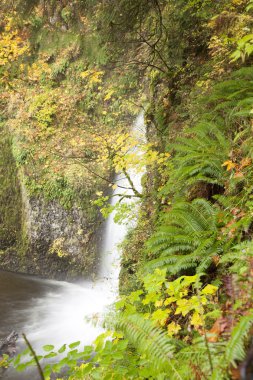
{"type": "Point", "coordinates": [185, 310]}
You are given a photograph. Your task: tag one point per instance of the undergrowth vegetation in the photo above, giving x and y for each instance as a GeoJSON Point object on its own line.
{"type": "Point", "coordinates": [186, 312]}
{"type": "Point", "coordinates": [191, 313]}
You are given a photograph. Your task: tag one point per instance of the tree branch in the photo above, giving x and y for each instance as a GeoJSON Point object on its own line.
{"type": "Point", "coordinates": [135, 191]}
{"type": "Point", "coordinates": [35, 357]}
{"type": "Point", "coordinates": [154, 48]}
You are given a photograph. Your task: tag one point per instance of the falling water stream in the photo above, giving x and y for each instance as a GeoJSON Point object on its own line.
{"type": "Point", "coordinates": [58, 312]}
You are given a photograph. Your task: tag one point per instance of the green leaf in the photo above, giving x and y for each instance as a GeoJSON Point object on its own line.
{"type": "Point", "coordinates": [235, 349]}
{"type": "Point", "coordinates": [16, 360]}
{"type": "Point", "coordinates": [62, 349]}
{"type": "Point", "coordinates": [64, 362]}
{"type": "Point", "coordinates": [48, 347]}
{"type": "Point", "coordinates": [21, 367]}
{"type": "Point", "coordinates": [50, 355]}
{"type": "Point", "coordinates": [135, 296]}
{"type": "Point", "coordinates": [148, 339]}
{"type": "Point", "coordinates": [75, 344]}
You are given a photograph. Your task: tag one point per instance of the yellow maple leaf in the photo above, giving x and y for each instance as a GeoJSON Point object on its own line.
{"type": "Point", "coordinates": [173, 328]}
{"type": "Point", "coordinates": [229, 164]}
{"type": "Point", "coordinates": [209, 289]}
{"type": "Point", "coordinates": [196, 320]}
{"type": "Point", "coordinates": [159, 303]}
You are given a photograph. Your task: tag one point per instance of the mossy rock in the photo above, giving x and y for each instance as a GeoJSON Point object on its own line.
{"type": "Point", "coordinates": [10, 196]}
{"type": "Point", "coordinates": [7, 238]}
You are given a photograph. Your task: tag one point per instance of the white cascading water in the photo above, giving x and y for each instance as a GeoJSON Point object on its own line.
{"type": "Point", "coordinates": [115, 233]}
{"type": "Point", "coordinates": [67, 312]}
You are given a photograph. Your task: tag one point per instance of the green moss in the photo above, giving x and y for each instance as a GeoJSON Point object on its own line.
{"type": "Point", "coordinates": [54, 42]}
{"type": "Point", "coordinates": [133, 252]}
{"type": "Point", "coordinates": [10, 198]}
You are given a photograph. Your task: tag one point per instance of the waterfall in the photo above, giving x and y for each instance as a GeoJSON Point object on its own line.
{"type": "Point", "coordinates": [58, 312]}
{"type": "Point", "coordinates": [65, 311]}
{"type": "Point", "coordinates": [115, 233]}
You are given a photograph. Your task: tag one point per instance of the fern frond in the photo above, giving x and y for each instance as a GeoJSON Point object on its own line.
{"type": "Point", "coordinates": [197, 353]}
{"type": "Point", "coordinates": [235, 349]}
{"type": "Point", "coordinates": [152, 341]}
{"type": "Point", "coordinates": [186, 238]}
{"type": "Point", "coordinates": [200, 156]}
{"type": "Point", "coordinates": [245, 73]}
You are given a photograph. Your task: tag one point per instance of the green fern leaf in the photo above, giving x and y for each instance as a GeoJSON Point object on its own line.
{"type": "Point", "coordinates": [235, 349]}
{"type": "Point", "coordinates": [150, 340]}
{"type": "Point", "coordinates": [186, 238]}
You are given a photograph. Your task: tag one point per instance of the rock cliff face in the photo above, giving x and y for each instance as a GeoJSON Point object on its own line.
{"type": "Point", "coordinates": [61, 242]}
{"type": "Point", "coordinates": [39, 236]}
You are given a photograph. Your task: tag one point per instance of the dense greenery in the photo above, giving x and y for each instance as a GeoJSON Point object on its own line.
{"type": "Point", "coordinates": [10, 199]}
{"type": "Point", "coordinates": [185, 310]}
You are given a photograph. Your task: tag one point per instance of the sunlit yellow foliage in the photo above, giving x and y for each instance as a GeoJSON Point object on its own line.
{"type": "Point", "coordinates": [93, 77]}
{"type": "Point", "coordinates": [173, 328]}
{"type": "Point", "coordinates": [57, 248]}
{"type": "Point", "coordinates": [126, 152]}
{"type": "Point", "coordinates": [109, 94]}
{"type": "Point", "coordinates": [171, 303]}
{"type": "Point", "coordinates": [12, 47]}
{"type": "Point", "coordinates": [37, 70]}
{"type": "Point", "coordinates": [229, 165]}
{"type": "Point", "coordinates": [43, 109]}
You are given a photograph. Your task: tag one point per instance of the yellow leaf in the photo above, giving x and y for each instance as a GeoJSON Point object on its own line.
{"type": "Point", "coordinates": [229, 164]}
{"type": "Point", "coordinates": [209, 289]}
{"type": "Point", "coordinates": [108, 95]}
{"type": "Point", "coordinates": [159, 303]}
{"type": "Point", "coordinates": [173, 328]}
{"type": "Point", "coordinates": [196, 320]}
{"type": "Point", "coordinates": [170, 300]}
{"type": "Point", "coordinates": [183, 307]}
{"type": "Point", "coordinates": [85, 74]}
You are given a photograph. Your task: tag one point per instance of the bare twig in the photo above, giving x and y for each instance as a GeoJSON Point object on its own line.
{"type": "Point", "coordinates": [35, 357]}
{"type": "Point", "coordinates": [154, 48]}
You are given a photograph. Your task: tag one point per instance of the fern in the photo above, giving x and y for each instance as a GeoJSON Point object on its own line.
{"type": "Point", "coordinates": [166, 356]}
{"type": "Point", "coordinates": [238, 257]}
{"type": "Point", "coordinates": [245, 73]}
{"type": "Point", "coordinates": [197, 353]}
{"type": "Point", "coordinates": [186, 238]}
{"type": "Point", "coordinates": [235, 349]}
{"type": "Point", "coordinates": [151, 341]}
{"type": "Point", "coordinates": [234, 90]}
{"type": "Point", "coordinates": [232, 98]}
{"type": "Point", "coordinates": [198, 157]}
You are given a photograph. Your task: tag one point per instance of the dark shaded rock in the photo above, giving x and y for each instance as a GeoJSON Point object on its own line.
{"type": "Point", "coordinates": [8, 344]}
